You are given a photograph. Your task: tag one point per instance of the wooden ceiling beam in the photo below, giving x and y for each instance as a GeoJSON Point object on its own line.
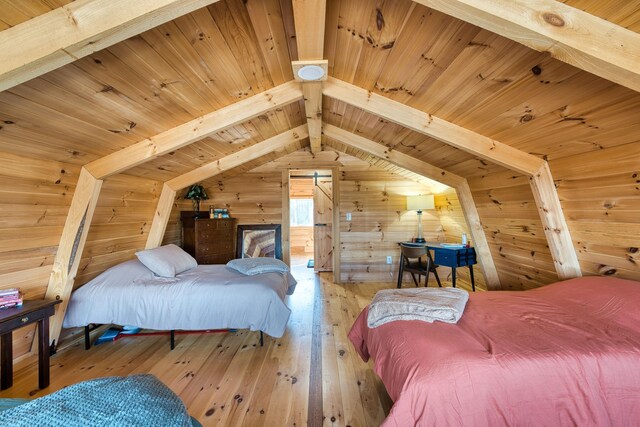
{"type": "Point", "coordinates": [278, 143]}
{"type": "Point", "coordinates": [568, 34]}
{"type": "Point", "coordinates": [432, 172]}
{"type": "Point", "coordinates": [238, 158]}
{"type": "Point", "coordinates": [434, 127]}
{"type": "Point", "coordinates": [73, 31]}
{"type": "Point", "coordinates": [309, 18]}
{"type": "Point", "coordinates": [383, 152]}
{"type": "Point", "coordinates": [195, 130]}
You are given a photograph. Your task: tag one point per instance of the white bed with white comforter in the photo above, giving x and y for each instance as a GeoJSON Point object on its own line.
{"type": "Point", "coordinates": [204, 297]}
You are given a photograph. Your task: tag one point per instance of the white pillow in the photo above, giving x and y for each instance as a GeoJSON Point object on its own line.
{"type": "Point", "coordinates": [167, 261]}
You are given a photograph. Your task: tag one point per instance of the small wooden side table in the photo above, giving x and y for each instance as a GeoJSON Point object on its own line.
{"type": "Point", "coordinates": [17, 317]}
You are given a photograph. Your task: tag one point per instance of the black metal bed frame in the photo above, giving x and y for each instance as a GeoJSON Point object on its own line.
{"type": "Point", "coordinates": [91, 327]}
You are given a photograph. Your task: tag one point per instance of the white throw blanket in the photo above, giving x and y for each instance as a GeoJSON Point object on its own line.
{"type": "Point", "coordinates": [426, 304]}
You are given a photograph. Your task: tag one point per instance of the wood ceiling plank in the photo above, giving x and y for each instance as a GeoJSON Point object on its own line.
{"type": "Point", "coordinates": [80, 28]}
{"type": "Point", "coordinates": [267, 21]}
{"type": "Point", "coordinates": [568, 34]}
{"type": "Point", "coordinates": [195, 130]}
{"type": "Point", "coordinates": [434, 127]}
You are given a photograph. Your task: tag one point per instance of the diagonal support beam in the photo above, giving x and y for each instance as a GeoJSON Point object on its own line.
{"type": "Point", "coordinates": [568, 34]}
{"type": "Point", "coordinates": [195, 130]}
{"type": "Point", "coordinates": [434, 127]}
{"type": "Point", "coordinates": [78, 29]}
{"type": "Point", "coordinates": [161, 217]}
{"type": "Point", "coordinates": [74, 236]}
{"type": "Point", "coordinates": [555, 226]}
{"type": "Point", "coordinates": [275, 144]}
{"type": "Point", "coordinates": [432, 172]}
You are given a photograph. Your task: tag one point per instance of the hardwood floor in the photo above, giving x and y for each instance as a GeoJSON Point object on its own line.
{"type": "Point", "coordinates": [229, 380]}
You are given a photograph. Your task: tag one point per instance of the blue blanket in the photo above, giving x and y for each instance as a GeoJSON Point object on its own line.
{"type": "Point", "coordinates": [137, 400]}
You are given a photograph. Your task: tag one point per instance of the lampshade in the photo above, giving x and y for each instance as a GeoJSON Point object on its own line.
{"type": "Point", "coordinates": [420, 203]}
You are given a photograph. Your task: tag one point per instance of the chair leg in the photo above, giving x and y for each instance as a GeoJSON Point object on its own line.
{"type": "Point", "coordinates": [435, 273]}
{"type": "Point", "coordinates": [413, 276]}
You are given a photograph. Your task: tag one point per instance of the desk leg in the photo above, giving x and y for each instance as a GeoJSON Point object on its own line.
{"type": "Point", "coordinates": [473, 283]}
{"type": "Point", "coordinates": [453, 276]}
{"type": "Point", "coordinates": [43, 353]}
{"type": "Point", "coordinates": [6, 360]}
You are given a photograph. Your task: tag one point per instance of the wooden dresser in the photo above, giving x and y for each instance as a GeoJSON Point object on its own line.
{"type": "Point", "coordinates": [209, 241]}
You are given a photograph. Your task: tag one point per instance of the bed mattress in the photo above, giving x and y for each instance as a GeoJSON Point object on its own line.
{"type": "Point", "coordinates": [564, 354]}
{"type": "Point", "coordinates": [205, 297]}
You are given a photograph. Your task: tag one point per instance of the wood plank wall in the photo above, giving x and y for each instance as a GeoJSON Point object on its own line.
{"type": "Point", "coordinates": [252, 198]}
{"type": "Point", "coordinates": [600, 195]}
{"type": "Point", "coordinates": [35, 196]}
{"type": "Point", "coordinates": [379, 221]}
{"type": "Point", "coordinates": [514, 231]}
{"type": "Point", "coordinates": [120, 225]}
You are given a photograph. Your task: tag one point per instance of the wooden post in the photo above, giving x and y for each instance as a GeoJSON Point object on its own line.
{"type": "Point", "coordinates": [555, 226]}
{"type": "Point", "coordinates": [286, 218]}
{"type": "Point", "coordinates": [335, 184]}
{"type": "Point", "coordinates": [74, 237]}
{"type": "Point", "coordinates": [477, 234]}
{"type": "Point", "coordinates": [161, 217]}
{"type": "Point", "coordinates": [312, 92]}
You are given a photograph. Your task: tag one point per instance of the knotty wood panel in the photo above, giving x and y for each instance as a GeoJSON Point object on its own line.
{"type": "Point", "coordinates": [251, 198]}
{"type": "Point", "coordinates": [120, 225]}
{"type": "Point", "coordinates": [379, 221]}
{"type": "Point", "coordinates": [15, 12]}
{"type": "Point", "coordinates": [514, 230]}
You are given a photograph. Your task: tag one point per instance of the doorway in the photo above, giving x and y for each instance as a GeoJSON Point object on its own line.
{"type": "Point", "coordinates": [311, 218]}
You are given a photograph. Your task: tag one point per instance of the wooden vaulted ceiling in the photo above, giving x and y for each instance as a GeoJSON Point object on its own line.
{"type": "Point", "coordinates": [230, 50]}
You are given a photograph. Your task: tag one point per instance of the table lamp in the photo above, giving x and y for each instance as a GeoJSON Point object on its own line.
{"type": "Point", "coordinates": [420, 203]}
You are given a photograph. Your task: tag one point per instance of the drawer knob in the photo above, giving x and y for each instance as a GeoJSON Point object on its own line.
{"type": "Point", "coordinates": [25, 319]}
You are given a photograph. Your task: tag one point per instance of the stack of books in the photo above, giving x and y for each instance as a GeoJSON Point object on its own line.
{"type": "Point", "coordinates": [10, 298]}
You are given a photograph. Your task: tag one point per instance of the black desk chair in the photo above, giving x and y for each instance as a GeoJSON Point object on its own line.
{"type": "Point", "coordinates": [411, 262]}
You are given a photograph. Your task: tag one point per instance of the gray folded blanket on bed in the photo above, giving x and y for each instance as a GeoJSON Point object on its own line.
{"type": "Point", "coordinates": [137, 400]}
{"type": "Point", "coordinates": [253, 266]}
{"type": "Point", "coordinates": [428, 305]}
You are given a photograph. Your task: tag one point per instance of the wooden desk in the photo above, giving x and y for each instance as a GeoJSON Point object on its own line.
{"type": "Point", "coordinates": [452, 257]}
{"type": "Point", "coordinates": [14, 318]}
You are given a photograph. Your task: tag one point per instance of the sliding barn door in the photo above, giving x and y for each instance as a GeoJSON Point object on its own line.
{"type": "Point", "coordinates": [322, 221]}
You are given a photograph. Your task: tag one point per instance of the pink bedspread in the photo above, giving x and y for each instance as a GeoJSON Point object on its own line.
{"type": "Point", "coordinates": [565, 354]}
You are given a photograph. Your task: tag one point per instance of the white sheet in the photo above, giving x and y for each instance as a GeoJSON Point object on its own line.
{"type": "Point", "coordinates": [206, 297]}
